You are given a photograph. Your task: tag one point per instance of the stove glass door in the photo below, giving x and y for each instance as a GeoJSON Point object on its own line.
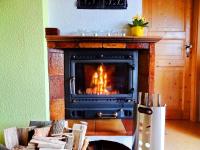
{"type": "Point", "coordinates": [104, 79]}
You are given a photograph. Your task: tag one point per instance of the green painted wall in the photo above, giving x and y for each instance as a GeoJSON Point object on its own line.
{"type": "Point", "coordinates": [23, 63]}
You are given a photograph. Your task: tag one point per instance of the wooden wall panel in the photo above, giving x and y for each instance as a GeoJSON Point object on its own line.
{"type": "Point", "coordinates": [170, 53]}
{"type": "Point", "coordinates": [167, 15]}
{"type": "Point", "coordinates": [169, 84]}
{"type": "Point", "coordinates": [170, 49]}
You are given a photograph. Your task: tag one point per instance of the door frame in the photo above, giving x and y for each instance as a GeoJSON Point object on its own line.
{"type": "Point", "coordinates": [195, 69]}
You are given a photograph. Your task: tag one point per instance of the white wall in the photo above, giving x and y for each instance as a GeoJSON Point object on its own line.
{"type": "Point", "coordinates": [64, 15]}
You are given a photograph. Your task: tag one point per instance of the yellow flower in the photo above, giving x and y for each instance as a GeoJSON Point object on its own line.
{"type": "Point", "coordinates": [143, 19]}
{"type": "Point", "coordinates": [136, 17]}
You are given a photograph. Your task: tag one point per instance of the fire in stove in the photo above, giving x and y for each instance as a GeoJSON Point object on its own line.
{"type": "Point", "coordinates": [100, 83]}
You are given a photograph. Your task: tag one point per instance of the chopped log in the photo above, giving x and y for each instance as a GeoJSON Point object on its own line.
{"type": "Point", "coordinates": [83, 128]}
{"type": "Point", "coordinates": [2, 147]}
{"type": "Point", "coordinates": [40, 124]}
{"type": "Point", "coordinates": [33, 141]}
{"type": "Point", "coordinates": [42, 132]}
{"type": "Point", "coordinates": [11, 138]}
{"type": "Point", "coordinates": [85, 145]}
{"type": "Point", "coordinates": [76, 134]}
{"type": "Point", "coordinates": [19, 147]}
{"type": "Point", "coordinates": [54, 138]}
{"type": "Point", "coordinates": [43, 144]}
{"type": "Point", "coordinates": [37, 124]}
{"type": "Point", "coordinates": [60, 134]}
{"type": "Point", "coordinates": [50, 145]}
{"type": "Point", "coordinates": [31, 146]}
{"type": "Point", "coordinates": [67, 130]}
{"type": "Point", "coordinates": [69, 141]}
{"type": "Point", "coordinates": [46, 140]}
{"type": "Point", "coordinates": [31, 132]}
{"type": "Point", "coordinates": [23, 135]}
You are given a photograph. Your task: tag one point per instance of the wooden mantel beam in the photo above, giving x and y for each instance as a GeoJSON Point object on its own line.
{"type": "Point", "coordinates": [58, 41]}
{"type": "Point", "coordinates": [115, 39]}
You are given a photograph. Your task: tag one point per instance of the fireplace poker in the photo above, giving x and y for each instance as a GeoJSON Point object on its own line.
{"type": "Point", "coordinates": [140, 98]}
{"type": "Point", "coordinates": [159, 100]}
{"type": "Point", "coordinates": [146, 99]}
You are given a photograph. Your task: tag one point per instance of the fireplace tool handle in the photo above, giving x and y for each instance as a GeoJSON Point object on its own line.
{"type": "Point", "coordinates": [72, 85]}
{"type": "Point", "coordinates": [107, 116]}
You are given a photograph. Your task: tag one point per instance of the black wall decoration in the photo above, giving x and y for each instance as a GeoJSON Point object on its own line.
{"type": "Point", "coordinates": [102, 4]}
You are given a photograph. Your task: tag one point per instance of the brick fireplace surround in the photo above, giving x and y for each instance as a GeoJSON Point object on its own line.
{"type": "Point", "coordinates": [57, 44]}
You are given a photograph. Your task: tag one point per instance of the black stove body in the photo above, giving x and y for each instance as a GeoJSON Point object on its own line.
{"type": "Point", "coordinates": [100, 84]}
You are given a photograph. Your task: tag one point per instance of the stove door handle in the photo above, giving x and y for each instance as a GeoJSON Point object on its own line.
{"type": "Point", "coordinates": [107, 116]}
{"type": "Point", "coordinates": [72, 85]}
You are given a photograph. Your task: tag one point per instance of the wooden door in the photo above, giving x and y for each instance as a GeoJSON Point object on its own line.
{"type": "Point", "coordinates": [171, 19]}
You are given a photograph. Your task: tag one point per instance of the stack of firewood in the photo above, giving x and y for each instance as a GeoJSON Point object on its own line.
{"type": "Point", "coordinates": [70, 139]}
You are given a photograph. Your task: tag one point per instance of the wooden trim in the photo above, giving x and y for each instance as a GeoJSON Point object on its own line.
{"type": "Point", "coordinates": [51, 44]}
{"type": "Point", "coordinates": [52, 31]}
{"type": "Point", "coordinates": [62, 44]}
{"type": "Point", "coordinates": [195, 71]}
{"type": "Point", "coordinates": [90, 45]}
{"type": "Point", "coordinates": [186, 109]}
{"type": "Point", "coordinates": [55, 51]}
{"type": "Point", "coordinates": [138, 45]}
{"type": "Point", "coordinates": [152, 68]}
{"type": "Point", "coordinates": [114, 45]}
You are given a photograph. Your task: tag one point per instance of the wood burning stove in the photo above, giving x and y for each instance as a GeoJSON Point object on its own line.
{"type": "Point", "coordinates": [100, 84]}
{"type": "Point", "coordinates": [60, 46]}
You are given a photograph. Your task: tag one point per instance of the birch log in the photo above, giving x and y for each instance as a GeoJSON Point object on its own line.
{"type": "Point", "coordinates": [11, 137]}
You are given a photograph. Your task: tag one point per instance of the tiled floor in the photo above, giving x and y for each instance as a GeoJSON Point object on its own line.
{"type": "Point", "coordinates": [182, 135]}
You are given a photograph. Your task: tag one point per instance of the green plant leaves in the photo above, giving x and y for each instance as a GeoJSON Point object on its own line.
{"type": "Point", "coordinates": [138, 22]}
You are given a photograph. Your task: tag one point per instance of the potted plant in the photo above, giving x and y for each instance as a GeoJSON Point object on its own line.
{"type": "Point", "coordinates": [138, 25]}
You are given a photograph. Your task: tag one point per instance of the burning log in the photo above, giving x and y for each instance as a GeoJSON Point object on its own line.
{"type": "Point", "coordinates": [99, 83]}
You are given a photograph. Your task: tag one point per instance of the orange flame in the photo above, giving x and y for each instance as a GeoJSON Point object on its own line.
{"type": "Point", "coordinates": [99, 83]}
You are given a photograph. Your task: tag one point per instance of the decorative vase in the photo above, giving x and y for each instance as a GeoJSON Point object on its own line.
{"type": "Point", "coordinates": [137, 31]}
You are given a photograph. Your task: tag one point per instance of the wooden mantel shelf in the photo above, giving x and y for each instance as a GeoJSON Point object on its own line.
{"type": "Point", "coordinates": [60, 41]}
